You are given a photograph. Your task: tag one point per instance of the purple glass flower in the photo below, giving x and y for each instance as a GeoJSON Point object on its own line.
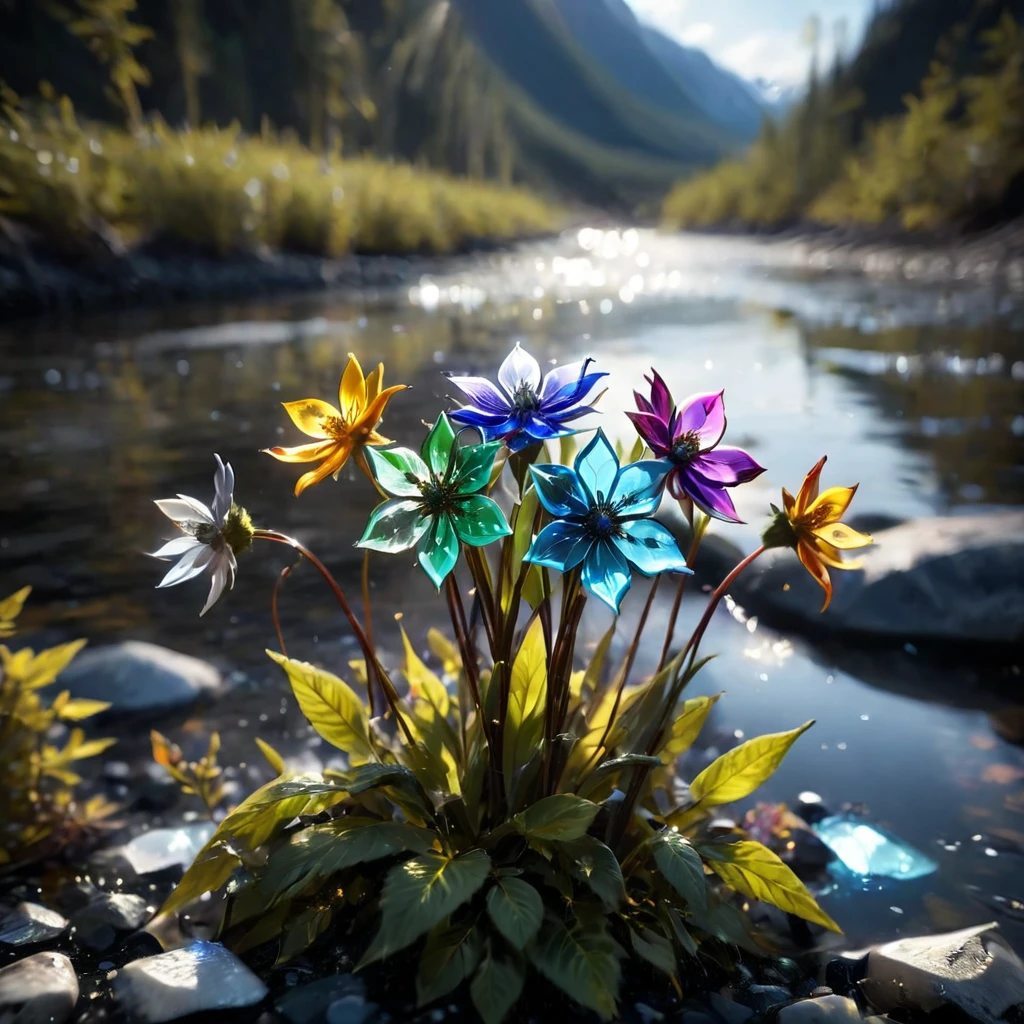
{"type": "Point", "coordinates": [689, 438]}
{"type": "Point", "coordinates": [522, 408]}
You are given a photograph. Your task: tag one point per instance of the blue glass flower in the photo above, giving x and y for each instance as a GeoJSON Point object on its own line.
{"type": "Point", "coordinates": [523, 408]}
{"type": "Point", "coordinates": [602, 521]}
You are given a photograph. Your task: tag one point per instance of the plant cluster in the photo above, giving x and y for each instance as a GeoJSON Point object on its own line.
{"type": "Point", "coordinates": [39, 807]}
{"type": "Point", "coordinates": [515, 808]}
{"type": "Point", "coordinates": [86, 188]}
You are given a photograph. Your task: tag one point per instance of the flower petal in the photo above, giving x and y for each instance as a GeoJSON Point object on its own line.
{"type": "Point", "coordinates": [221, 573]}
{"type": "Point", "coordinates": [438, 444]}
{"type": "Point", "coordinates": [176, 547]}
{"type": "Point", "coordinates": [725, 467]}
{"type": "Point", "coordinates": [831, 506]}
{"type": "Point", "coordinates": [638, 487]}
{"type": "Point", "coordinates": [653, 430]}
{"type": "Point", "coordinates": [560, 546]}
{"type": "Point", "coordinates": [490, 424]}
{"type": "Point", "coordinates": [606, 574]}
{"type": "Point", "coordinates": [223, 488]}
{"type": "Point", "coordinates": [841, 536]}
{"type": "Point", "coordinates": [352, 390]}
{"type": "Point", "coordinates": [562, 376]}
{"type": "Point", "coordinates": [479, 521]}
{"type": "Point", "coordinates": [399, 471]}
{"type": "Point", "coordinates": [331, 465]}
{"type": "Point", "coordinates": [704, 414]}
{"type": "Point", "coordinates": [559, 491]}
{"type": "Point", "coordinates": [812, 562]}
{"type": "Point", "coordinates": [483, 394]}
{"type": "Point", "coordinates": [394, 526]}
{"type": "Point", "coordinates": [650, 548]}
{"type": "Point", "coordinates": [597, 467]}
{"type": "Point", "coordinates": [809, 488]}
{"type": "Point", "coordinates": [184, 509]}
{"type": "Point", "coordinates": [374, 382]}
{"type": "Point", "coordinates": [575, 393]}
{"type": "Point", "coordinates": [519, 368]}
{"type": "Point", "coordinates": [661, 397]}
{"type": "Point", "coordinates": [313, 452]}
{"type": "Point", "coordinates": [371, 415]}
{"type": "Point", "coordinates": [713, 500]}
{"type": "Point", "coordinates": [473, 466]}
{"type": "Point", "coordinates": [439, 550]}
{"type": "Point", "coordinates": [191, 564]}
{"type": "Point", "coordinates": [311, 416]}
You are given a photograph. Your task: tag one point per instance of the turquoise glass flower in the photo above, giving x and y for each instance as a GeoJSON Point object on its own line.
{"type": "Point", "coordinates": [436, 500]}
{"type": "Point", "coordinates": [602, 521]}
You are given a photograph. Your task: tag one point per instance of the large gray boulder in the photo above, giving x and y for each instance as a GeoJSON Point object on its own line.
{"type": "Point", "coordinates": [950, 579]}
{"type": "Point", "coordinates": [135, 676]}
{"type": "Point", "coordinates": [199, 978]}
{"type": "Point", "coordinates": [41, 989]}
{"type": "Point", "coordinates": [973, 970]}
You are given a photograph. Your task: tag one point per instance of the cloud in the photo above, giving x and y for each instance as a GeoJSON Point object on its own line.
{"type": "Point", "coordinates": [698, 34]}
{"type": "Point", "coordinates": [668, 15]}
{"type": "Point", "coordinates": [775, 54]}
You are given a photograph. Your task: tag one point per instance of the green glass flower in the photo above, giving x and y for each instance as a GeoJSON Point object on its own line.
{"type": "Point", "coordinates": [435, 500]}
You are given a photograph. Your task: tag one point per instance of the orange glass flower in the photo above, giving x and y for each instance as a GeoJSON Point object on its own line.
{"type": "Point", "coordinates": [810, 524]}
{"type": "Point", "coordinates": [340, 433]}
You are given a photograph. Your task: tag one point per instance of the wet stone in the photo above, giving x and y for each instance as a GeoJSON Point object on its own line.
{"type": "Point", "coordinates": [41, 989]}
{"type": "Point", "coordinates": [762, 997]}
{"type": "Point", "coordinates": [827, 1009]}
{"type": "Point", "coordinates": [30, 923]}
{"type": "Point", "coordinates": [163, 848]}
{"type": "Point", "coordinates": [199, 978]}
{"type": "Point", "coordinates": [98, 924]}
{"type": "Point", "coordinates": [339, 999]}
{"type": "Point", "coordinates": [729, 1010]}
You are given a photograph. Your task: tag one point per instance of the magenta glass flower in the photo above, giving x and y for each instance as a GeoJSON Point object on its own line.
{"type": "Point", "coordinates": [689, 437]}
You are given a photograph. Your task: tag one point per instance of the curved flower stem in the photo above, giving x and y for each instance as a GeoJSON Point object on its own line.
{"type": "Point", "coordinates": [339, 595]}
{"type": "Point", "coordinates": [480, 572]}
{"type": "Point", "coordinates": [691, 555]}
{"type": "Point", "coordinates": [284, 574]}
{"type": "Point", "coordinates": [368, 619]}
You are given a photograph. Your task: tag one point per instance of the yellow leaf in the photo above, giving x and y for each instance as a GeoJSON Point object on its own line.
{"type": "Point", "coordinates": [423, 684]}
{"type": "Point", "coordinates": [444, 650]}
{"type": "Point", "coordinates": [34, 672]}
{"type": "Point", "coordinates": [739, 772]}
{"type": "Point", "coordinates": [90, 749]}
{"type": "Point", "coordinates": [274, 759]}
{"type": "Point", "coordinates": [753, 870]}
{"type": "Point", "coordinates": [687, 726]}
{"type": "Point", "coordinates": [10, 609]}
{"type": "Point", "coordinates": [524, 721]}
{"type": "Point", "coordinates": [76, 710]}
{"type": "Point", "coordinates": [331, 706]}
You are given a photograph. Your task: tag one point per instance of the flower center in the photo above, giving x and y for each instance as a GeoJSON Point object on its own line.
{"type": "Point", "coordinates": [685, 447]}
{"type": "Point", "coordinates": [237, 530]}
{"type": "Point", "coordinates": [436, 496]}
{"type": "Point", "coordinates": [601, 521]}
{"type": "Point", "coordinates": [205, 533]}
{"type": "Point", "coordinates": [334, 426]}
{"type": "Point", "coordinates": [524, 398]}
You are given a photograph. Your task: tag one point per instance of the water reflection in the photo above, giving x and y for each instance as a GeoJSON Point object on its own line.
{"type": "Point", "coordinates": [913, 391]}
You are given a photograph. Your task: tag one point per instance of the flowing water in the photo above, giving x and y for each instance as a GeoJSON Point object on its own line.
{"type": "Point", "coordinates": [913, 387]}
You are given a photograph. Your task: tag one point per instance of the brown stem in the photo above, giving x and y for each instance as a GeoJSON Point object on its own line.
{"type": "Point", "coordinates": [339, 595]}
{"type": "Point", "coordinates": [484, 595]}
{"type": "Point", "coordinates": [670, 632]}
{"type": "Point", "coordinates": [285, 573]}
{"type": "Point", "coordinates": [368, 619]}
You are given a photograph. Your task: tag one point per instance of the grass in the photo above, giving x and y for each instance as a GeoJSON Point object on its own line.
{"type": "Point", "coordinates": [224, 192]}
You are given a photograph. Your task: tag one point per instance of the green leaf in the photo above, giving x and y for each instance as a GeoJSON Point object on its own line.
{"type": "Point", "coordinates": [604, 773]}
{"type": "Point", "coordinates": [473, 466]}
{"type": "Point", "coordinates": [687, 726]}
{"type": "Point", "coordinates": [753, 870]}
{"type": "Point", "coordinates": [524, 720]}
{"type": "Point", "coordinates": [302, 931]}
{"type": "Point", "coordinates": [274, 759]}
{"type": "Point", "coordinates": [400, 785]}
{"type": "Point", "coordinates": [655, 949]}
{"type": "Point", "coordinates": [399, 471]}
{"type": "Point", "coordinates": [583, 962]}
{"type": "Point", "coordinates": [331, 706]}
{"type": "Point", "coordinates": [598, 866]}
{"type": "Point", "coordinates": [395, 525]}
{"type": "Point", "coordinates": [682, 867]}
{"type": "Point", "coordinates": [739, 772]}
{"type": "Point", "coordinates": [479, 521]}
{"type": "Point", "coordinates": [496, 988]}
{"type": "Point", "coordinates": [419, 894]}
{"type": "Point", "coordinates": [516, 909]}
{"type": "Point", "coordinates": [683, 937]}
{"type": "Point", "coordinates": [439, 549]}
{"type": "Point", "coordinates": [562, 816]}
{"type": "Point", "coordinates": [567, 445]}
{"type": "Point", "coordinates": [449, 957]}
{"type": "Point", "coordinates": [437, 445]}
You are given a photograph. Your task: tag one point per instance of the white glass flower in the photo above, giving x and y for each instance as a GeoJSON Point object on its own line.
{"type": "Point", "coordinates": [213, 536]}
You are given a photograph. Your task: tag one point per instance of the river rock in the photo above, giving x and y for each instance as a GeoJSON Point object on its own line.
{"type": "Point", "coordinates": [198, 978]}
{"type": "Point", "coordinates": [99, 922]}
{"type": "Point", "coordinates": [946, 579]}
{"type": "Point", "coordinates": [829, 1009]}
{"type": "Point", "coordinates": [340, 999]}
{"type": "Point", "coordinates": [162, 848]}
{"type": "Point", "coordinates": [41, 989]}
{"type": "Point", "coordinates": [973, 970]}
{"type": "Point", "coordinates": [135, 676]}
{"type": "Point", "coordinates": [29, 923]}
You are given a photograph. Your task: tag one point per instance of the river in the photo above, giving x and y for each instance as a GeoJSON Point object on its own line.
{"type": "Point", "coordinates": [913, 387]}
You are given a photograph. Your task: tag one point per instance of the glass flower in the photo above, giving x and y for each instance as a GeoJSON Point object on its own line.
{"type": "Point", "coordinates": [809, 523]}
{"type": "Point", "coordinates": [214, 536]}
{"type": "Point", "coordinates": [342, 432]}
{"type": "Point", "coordinates": [689, 437]}
{"type": "Point", "coordinates": [602, 521]}
{"type": "Point", "coordinates": [523, 408]}
{"type": "Point", "coordinates": [436, 500]}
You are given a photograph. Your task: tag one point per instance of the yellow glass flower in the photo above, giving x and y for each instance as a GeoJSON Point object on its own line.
{"type": "Point", "coordinates": [810, 524]}
{"type": "Point", "coordinates": [340, 433]}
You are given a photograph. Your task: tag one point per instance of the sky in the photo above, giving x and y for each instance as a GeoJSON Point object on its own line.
{"type": "Point", "coordinates": [756, 38]}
